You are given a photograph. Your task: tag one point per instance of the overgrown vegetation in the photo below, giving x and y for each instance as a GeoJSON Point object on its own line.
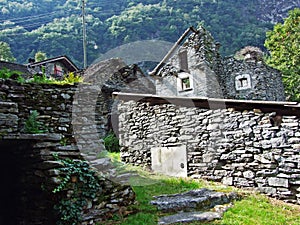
{"type": "Point", "coordinates": [33, 126]}
{"type": "Point", "coordinates": [253, 208]}
{"type": "Point", "coordinates": [70, 79]}
{"type": "Point", "coordinates": [111, 142]}
{"type": "Point", "coordinates": [11, 74]}
{"type": "Point", "coordinates": [79, 186]}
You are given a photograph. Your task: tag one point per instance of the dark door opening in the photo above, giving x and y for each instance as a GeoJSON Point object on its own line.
{"type": "Point", "coordinates": [22, 200]}
{"type": "Point", "coordinates": [10, 188]}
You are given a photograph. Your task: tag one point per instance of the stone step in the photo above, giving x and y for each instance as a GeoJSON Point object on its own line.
{"type": "Point", "coordinates": [102, 164]}
{"type": "Point", "coordinates": [195, 200]}
{"type": "Point", "coordinates": [188, 217]}
{"type": "Point", "coordinates": [200, 205]}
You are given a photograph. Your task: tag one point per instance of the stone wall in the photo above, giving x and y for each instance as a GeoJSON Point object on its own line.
{"type": "Point", "coordinates": [234, 142]}
{"type": "Point", "coordinates": [30, 156]}
{"type": "Point", "coordinates": [265, 83]}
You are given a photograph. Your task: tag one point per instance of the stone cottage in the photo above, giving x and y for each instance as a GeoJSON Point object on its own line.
{"type": "Point", "coordinates": [55, 67]}
{"type": "Point", "coordinates": [194, 67]}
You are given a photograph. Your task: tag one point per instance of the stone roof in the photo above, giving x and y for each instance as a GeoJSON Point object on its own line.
{"type": "Point", "coordinates": [14, 67]}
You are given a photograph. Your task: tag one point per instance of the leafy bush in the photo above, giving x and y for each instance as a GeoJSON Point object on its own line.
{"type": "Point", "coordinates": [32, 125]}
{"type": "Point", "coordinates": [70, 78]}
{"type": "Point", "coordinates": [111, 142]}
{"type": "Point", "coordinates": [40, 79]}
{"type": "Point", "coordinates": [11, 74]}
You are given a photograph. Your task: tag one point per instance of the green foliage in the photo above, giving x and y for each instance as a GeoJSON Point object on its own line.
{"type": "Point", "coordinates": [40, 56]}
{"type": "Point", "coordinates": [283, 45]}
{"type": "Point", "coordinates": [79, 186]}
{"type": "Point", "coordinates": [112, 23]}
{"type": "Point", "coordinates": [70, 78]}
{"type": "Point", "coordinates": [40, 79]}
{"type": "Point", "coordinates": [5, 52]}
{"type": "Point", "coordinates": [9, 74]}
{"type": "Point", "coordinates": [32, 125]}
{"type": "Point", "coordinates": [111, 142]}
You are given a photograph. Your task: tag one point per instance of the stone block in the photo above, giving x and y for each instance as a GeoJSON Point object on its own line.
{"type": "Point", "coordinates": [207, 158]}
{"type": "Point", "coordinates": [278, 182]}
{"type": "Point", "coordinates": [262, 159]}
{"type": "Point", "coordinates": [212, 126]}
{"type": "Point", "coordinates": [249, 174]}
{"type": "Point", "coordinates": [267, 190]}
{"type": "Point", "coordinates": [227, 181]}
{"type": "Point", "coordinates": [220, 173]}
{"type": "Point", "coordinates": [294, 140]}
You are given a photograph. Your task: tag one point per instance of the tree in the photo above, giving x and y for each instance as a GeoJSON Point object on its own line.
{"type": "Point", "coordinates": [40, 56]}
{"type": "Point", "coordinates": [5, 52]}
{"type": "Point", "coordinates": [283, 43]}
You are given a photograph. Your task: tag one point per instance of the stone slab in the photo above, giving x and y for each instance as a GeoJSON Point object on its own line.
{"type": "Point", "coordinates": [187, 217]}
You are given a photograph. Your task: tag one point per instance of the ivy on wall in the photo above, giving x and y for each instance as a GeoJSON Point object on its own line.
{"type": "Point", "coordinates": [79, 186]}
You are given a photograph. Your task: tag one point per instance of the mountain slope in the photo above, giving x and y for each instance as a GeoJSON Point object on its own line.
{"type": "Point", "coordinates": [55, 27]}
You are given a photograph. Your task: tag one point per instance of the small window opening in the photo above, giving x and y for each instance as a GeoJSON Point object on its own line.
{"type": "Point", "coordinates": [185, 83]}
{"type": "Point", "coordinates": [183, 61]}
{"type": "Point", "coordinates": [243, 82]}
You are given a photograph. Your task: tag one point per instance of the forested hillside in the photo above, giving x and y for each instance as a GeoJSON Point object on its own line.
{"type": "Point", "coordinates": [55, 27]}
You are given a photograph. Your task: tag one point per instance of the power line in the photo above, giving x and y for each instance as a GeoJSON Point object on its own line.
{"type": "Point", "coordinates": [26, 18]}
{"type": "Point", "coordinates": [38, 24]}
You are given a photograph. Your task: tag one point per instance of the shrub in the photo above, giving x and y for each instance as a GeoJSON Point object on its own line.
{"type": "Point", "coordinates": [111, 142]}
{"type": "Point", "coordinates": [32, 125]}
{"type": "Point", "coordinates": [11, 74]}
{"type": "Point", "coordinates": [70, 78]}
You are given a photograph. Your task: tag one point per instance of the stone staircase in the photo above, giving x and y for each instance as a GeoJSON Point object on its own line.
{"type": "Point", "coordinates": [201, 205]}
{"type": "Point", "coordinates": [113, 172]}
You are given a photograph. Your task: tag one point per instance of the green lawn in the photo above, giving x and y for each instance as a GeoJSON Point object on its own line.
{"type": "Point", "coordinates": [253, 208]}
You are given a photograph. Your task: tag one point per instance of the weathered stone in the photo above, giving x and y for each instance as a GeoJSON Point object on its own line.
{"type": "Point", "coordinates": [227, 181]}
{"type": "Point", "coordinates": [249, 174]}
{"type": "Point", "coordinates": [199, 199]}
{"type": "Point", "coordinates": [186, 217]}
{"type": "Point", "coordinates": [278, 182]}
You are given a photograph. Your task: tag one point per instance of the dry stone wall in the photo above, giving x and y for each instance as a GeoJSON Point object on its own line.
{"type": "Point", "coordinates": [234, 146]}
{"type": "Point", "coordinates": [265, 82]}
{"type": "Point", "coordinates": [31, 155]}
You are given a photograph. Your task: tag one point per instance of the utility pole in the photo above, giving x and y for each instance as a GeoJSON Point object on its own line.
{"type": "Point", "coordinates": [84, 35]}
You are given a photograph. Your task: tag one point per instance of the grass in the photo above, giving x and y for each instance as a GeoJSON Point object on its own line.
{"type": "Point", "coordinates": [253, 208]}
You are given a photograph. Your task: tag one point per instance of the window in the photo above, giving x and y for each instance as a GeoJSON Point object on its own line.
{"type": "Point", "coordinates": [58, 71]}
{"type": "Point", "coordinates": [184, 82]}
{"type": "Point", "coordinates": [183, 61]}
{"type": "Point", "coordinates": [242, 82]}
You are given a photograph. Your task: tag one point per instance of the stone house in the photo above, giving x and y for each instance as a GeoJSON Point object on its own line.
{"type": "Point", "coordinates": [55, 67]}
{"type": "Point", "coordinates": [194, 67]}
